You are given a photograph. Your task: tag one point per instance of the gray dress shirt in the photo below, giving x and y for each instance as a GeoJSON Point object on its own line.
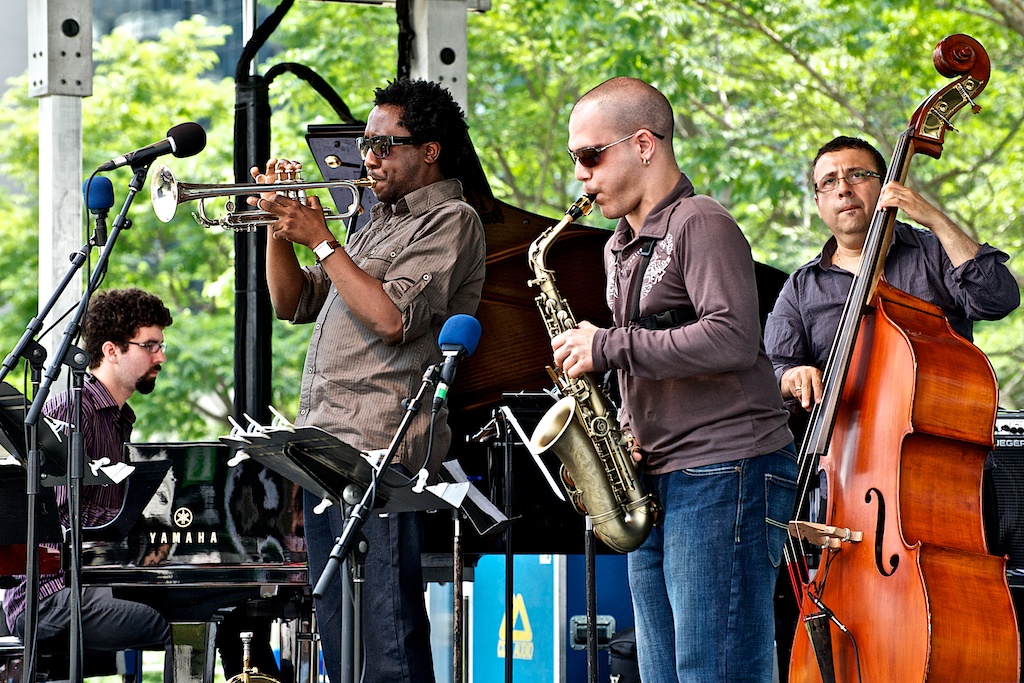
{"type": "Point", "coordinates": [804, 322]}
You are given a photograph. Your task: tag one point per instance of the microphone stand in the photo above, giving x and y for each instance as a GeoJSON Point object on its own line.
{"type": "Point", "coordinates": [359, 512]}
{"type": "Point", "coordinates": [35, 354]}
{"type": "Point", "coordinates": [78, 362]}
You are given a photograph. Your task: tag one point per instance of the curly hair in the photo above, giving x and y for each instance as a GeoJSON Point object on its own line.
{"type": "Point", "coordinates": [842, 142]}
{"type": "Point", "coordinates": [116, 315]}
{"type": "Point", "coordinates": [431, 114]}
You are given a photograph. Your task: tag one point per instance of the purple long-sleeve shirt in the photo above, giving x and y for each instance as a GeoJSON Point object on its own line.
{"type": "Point", "coordinates": [804, 322]}
{"type": "Point", "coordinates": [105, 429]}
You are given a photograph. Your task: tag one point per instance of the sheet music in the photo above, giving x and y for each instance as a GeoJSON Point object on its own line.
{"type": "Point", "coordinates": [507, 412]}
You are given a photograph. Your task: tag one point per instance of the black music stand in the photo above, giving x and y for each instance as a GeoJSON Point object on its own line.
{"type": "Point", "coordinates": [13, 510]}
{"type": "Point", "coordinates": [53, 452]}
{"type": "Point", "coordinates": [536, 404]}
{"type": "Point", "coordinates": [325, 466]}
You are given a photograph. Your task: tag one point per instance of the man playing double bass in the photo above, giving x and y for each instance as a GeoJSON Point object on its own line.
{"type": "Point", "coordinates": [941, 265]}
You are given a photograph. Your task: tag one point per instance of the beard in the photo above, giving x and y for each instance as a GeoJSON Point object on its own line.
{"type": "Point", "coordinates": [145, 385]}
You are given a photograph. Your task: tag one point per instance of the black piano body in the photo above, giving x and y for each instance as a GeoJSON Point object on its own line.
{"type": "Point", "coordinates": [202, 542]}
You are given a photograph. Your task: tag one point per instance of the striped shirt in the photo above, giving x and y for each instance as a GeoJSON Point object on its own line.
{"type": "Point", "coordinates": [428, 251]}
{"type": "Point", "coordinates": [105, 429]}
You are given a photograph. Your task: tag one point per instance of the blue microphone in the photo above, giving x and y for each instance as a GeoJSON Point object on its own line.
{"type": "Point", "coordinates": [99, 197]}
{"type": "Point", "coordinates": [459, 337]}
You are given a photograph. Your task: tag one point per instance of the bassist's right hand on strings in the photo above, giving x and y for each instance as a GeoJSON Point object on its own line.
{"type": "Point", "coordinates": [804, 383]}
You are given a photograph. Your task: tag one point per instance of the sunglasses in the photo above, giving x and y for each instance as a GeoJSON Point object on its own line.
{"type": "Point", "coordinates": [381, 145]}
{"type": "Point", "coordinates": [589, 157]}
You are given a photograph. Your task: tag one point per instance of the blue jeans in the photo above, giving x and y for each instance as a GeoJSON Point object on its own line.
{"type": "Point", "coordinates": [395, 629]}
{"type": "Point", "coordinates": [703, 581]}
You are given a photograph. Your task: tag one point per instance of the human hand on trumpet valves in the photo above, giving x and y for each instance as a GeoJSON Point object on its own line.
{"type": "Point", "coordinates": [300, 218]}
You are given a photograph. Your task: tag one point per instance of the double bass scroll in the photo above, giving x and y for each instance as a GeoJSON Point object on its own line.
{"type": "Point", "coordinates": [901, 436]}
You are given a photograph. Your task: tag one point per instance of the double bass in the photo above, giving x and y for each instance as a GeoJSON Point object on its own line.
{"type": "Point", "coordinates": [904, 589]}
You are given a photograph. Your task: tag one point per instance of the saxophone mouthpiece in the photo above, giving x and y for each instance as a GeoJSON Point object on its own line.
{"type": "Point", "coordinates": [581, 207]}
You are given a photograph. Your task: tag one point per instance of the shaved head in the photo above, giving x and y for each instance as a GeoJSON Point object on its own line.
{"type": "Point", "coordinates": [631, 104]}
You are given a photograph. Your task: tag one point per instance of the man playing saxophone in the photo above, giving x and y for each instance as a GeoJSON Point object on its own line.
{"type": "Point", "coordinates": [698, 395]}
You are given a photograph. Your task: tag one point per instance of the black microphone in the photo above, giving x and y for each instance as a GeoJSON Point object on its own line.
{"type": "Point", "coordinates": [459, 337]}
{"type": "Point", "coordinates": [99, 197]}
{"type": "Point", "coordinates": [184, 140]}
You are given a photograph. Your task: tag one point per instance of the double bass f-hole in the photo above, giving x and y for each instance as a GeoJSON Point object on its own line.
{"type": "Point", "coordinates": [894, 560]}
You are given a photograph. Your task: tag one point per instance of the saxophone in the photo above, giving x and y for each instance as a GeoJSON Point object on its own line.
{"type": "Point", "coordinates": [598, 471]}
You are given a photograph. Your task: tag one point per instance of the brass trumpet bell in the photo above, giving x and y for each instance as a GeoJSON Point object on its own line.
{"type": "Point", "coordinates": [166, 193]}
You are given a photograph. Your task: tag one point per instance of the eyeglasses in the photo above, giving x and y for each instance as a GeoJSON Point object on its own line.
{"type": "Point", "coordinates": [589, 157]}
{"type": "Point", "coordinates": [853, 178]}
{"type": "Point", "coordinates": [381, 144]}
{"type": "Point", "coordinates": [153, 346]}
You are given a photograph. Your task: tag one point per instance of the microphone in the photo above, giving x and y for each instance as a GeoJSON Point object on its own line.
{"type": "Point", "coordinates": [99, 197]}
{"type": "Point", "coordinates": [184, 140]}
{"type": "Point", "coordinates": [459, 337]}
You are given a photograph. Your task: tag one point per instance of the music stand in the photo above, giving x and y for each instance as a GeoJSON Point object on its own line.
{"type": "Point", "coordinates": [534, 405]}
{"type": "Point", "coordinates": [53, 452]}
{"type": "Point", "coordinates": [334, 150]}
{"type": "Point", "coordinates": [325, 466]}
{"type": "Point", "coordinates": [13, 508]}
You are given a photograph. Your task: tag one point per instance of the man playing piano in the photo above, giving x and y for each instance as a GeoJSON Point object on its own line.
{"type": "Point", "coordinates": [123, 336]}
{"type": "Point", "coordinates": [378, 304]}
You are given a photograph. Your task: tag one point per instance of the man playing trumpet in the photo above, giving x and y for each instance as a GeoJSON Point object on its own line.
{"type": "Point", "coordinates": [378, 303]}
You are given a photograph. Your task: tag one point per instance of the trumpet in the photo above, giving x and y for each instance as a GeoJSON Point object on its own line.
{"type": "Point", "coordinates": [166, 193]}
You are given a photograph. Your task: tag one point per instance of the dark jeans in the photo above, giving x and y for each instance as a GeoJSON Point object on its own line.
{"type": "Point", "coordinates": [396, 632]}
{"type": "Point", "coordinates": [108, 625]}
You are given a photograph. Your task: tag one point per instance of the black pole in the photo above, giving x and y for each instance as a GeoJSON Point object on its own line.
{"type": "Point", "coordinates": [510, 562]}
{"type": "Point", "coordinates": [589, 549]}
{"type": "Point", "coordinates": [253, 311]}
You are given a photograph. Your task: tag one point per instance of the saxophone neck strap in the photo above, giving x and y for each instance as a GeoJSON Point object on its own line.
{"type": "Point", "coordinates": [656, 321]}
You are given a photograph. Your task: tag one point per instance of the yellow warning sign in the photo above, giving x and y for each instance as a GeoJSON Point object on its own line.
{"type": "Point", "coordinates": [522, 633]}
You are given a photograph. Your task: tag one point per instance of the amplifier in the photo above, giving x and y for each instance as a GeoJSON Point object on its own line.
{"type": "Point", "coordinates": [1008, 477]}
{"type": "Point", "coordinates": [1010, 429]}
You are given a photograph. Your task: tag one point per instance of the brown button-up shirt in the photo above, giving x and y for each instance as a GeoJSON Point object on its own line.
{"type": "Point", "coordinates": [428, 250]}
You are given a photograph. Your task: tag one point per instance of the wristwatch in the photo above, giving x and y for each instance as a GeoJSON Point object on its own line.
{"type": "Point", "coordinates": [325, 249]}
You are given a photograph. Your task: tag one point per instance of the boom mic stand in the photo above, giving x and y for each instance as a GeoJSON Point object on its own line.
{"type": "Point", "coordinates": [357, 516]}
{"type": "Point", "coordinates": [35, 354]}
{"type": "Point", "coordinates": [76, 455]}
